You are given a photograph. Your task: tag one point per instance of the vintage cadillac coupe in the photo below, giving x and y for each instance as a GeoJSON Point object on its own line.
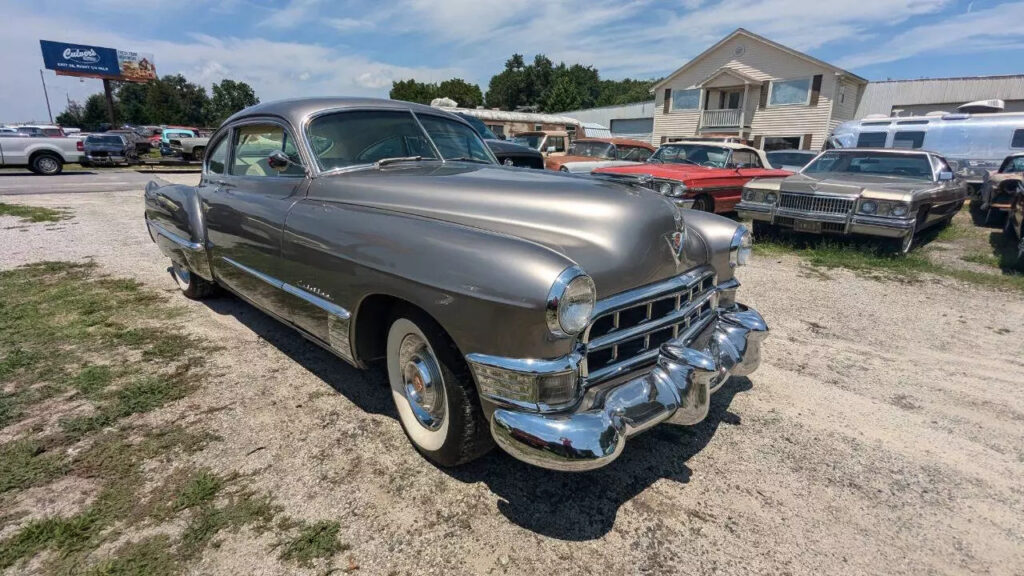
{"type": "Point", "coordinates": [551, 314]}
{"type": "Point", "coordinates": [886, 193]}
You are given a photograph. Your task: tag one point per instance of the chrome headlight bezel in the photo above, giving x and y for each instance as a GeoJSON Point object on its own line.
{"type": "Point", "coordinates": [771, 197]}
{"type": "Point", "coordinates": [869, 207]}
{"type": "Point", "coordinates": [566, 291]}
{"type": "Point", "coordinates": [741, 247]}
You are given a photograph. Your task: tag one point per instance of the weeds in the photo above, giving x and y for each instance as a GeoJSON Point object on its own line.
{"type": "Point", "coordinates": [33, 213]}
{"type": "Point", "coordinates": [319, 540]}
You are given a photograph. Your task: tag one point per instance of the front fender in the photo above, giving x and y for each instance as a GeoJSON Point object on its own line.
{"type": "Point", "coordinates": [709, 238]}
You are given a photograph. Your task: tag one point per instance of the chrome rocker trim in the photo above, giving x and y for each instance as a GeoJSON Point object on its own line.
{"type": "Point", "coordinates": [677, 390]}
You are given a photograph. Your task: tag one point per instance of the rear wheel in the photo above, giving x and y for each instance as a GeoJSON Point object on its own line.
{"type": "Point", "coordinates": [47, 165]}
{"type": "Point", "coordinates": [704, 203]}
{"type": "Point", "coordinates": [437, 402]}
{"type": "Point", "coordinates": [191, 285]}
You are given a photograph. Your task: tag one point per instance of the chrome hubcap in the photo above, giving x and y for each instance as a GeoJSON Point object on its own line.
{"type": "Point", "coordinates": [422, 383]}
{"type": "Point", "coordinates": [47, 164]}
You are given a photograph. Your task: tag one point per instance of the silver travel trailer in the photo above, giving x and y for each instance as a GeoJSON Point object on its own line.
{"type": "Point", "coordinates": [972, 143]}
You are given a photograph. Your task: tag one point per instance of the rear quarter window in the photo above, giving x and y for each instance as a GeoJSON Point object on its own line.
{"type": "Point", "coordinates": [872, 140]}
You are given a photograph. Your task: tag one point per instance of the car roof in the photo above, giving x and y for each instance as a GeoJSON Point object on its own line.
{"type": "Point", "coordinates": [297, 110]}
{"type": "Point", "coordinates": [791, 151]}
{"type": "Point", "coordinates": [906, 151]}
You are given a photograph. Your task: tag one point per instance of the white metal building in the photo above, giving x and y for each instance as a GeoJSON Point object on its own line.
{"type": "Point", "coordinates": [919, 97]}
{"type": "Point", "coordinates": [634, 121]}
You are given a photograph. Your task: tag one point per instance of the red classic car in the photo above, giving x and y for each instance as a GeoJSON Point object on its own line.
{"type": "Point", "coordinates": [711, 174]}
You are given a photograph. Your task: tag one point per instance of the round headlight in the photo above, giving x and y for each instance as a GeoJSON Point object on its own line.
{"type": "Point", "coordinates": [900, 210]}
{"type": "Point", "coordinates": [741, 247]}
{"type": "Point", "coordinates": [868, 207]}
{"type": "Point", "coordinates": [678, 190]}
{"type": "Point", "coordinates": [664, 188]}
{"type": "Point", "coordinates": [770, 197]}
{"type": "Point", "coordinates": [748, 194]}
{"type": "Point", "coordinates": [570, 302]}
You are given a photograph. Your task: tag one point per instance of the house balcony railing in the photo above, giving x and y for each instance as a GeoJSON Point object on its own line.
{"type": "Point", "coordinates": [725, 118]}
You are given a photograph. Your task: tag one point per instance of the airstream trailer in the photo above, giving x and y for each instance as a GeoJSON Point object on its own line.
{"type": "Point", "coordinates": [972, 143]}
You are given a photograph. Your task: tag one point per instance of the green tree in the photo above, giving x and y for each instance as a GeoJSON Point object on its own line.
{"type": "Point", "coordinates": [174, 100]}
{"type": "Point", "coordinates": [413, 91]}
{"type": "Point", "coordinates": [467, 95]}
{"type": "Point", "coordinates": [71, 117]}
{"type": "Point", "coordinates": [563, 95]}
{"type": "Point", "coordinates": [95, 112]}
{"type": "Point", "coordinates": [509, 89]}
{"type": "Point", "coordinates": [131, 99]}
{"type": "Point", "coordinates": [229, 96]}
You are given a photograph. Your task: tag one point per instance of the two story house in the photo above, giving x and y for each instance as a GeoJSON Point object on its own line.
{"type": "Point", "coordinates": [756, 90]}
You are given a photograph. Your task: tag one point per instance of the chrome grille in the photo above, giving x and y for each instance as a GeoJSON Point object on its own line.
{"type": "Point", "coordinates": [628, 330]}
{"type": "Point", "coordinates": [822, 204]}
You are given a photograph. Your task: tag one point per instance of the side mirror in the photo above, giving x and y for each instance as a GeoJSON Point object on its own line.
{"type": "Point", "coordinates": [279, 161]}
{"type": "Point", "coordinates": [945, 176]}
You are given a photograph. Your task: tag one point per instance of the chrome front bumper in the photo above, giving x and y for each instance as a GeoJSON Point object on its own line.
{"type": "Point", "coordinates": [843, 223]}
{"type": "Point", "coordinates": [677, 390]}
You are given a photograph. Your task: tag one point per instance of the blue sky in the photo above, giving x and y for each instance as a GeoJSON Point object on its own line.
{"type": "Point", "coordinates": [357, 47]}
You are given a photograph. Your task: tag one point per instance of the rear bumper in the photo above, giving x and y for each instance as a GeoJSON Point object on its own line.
{"type": "Point", "coordinates": [860, 224]}
{"type": "Point", "coordinates": [678, 391]}
{"type": "Point", "coordinates": [109, 159]}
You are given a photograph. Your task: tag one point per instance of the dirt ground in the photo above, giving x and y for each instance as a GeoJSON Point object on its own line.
{"type": "Point", "coordinates": [883, 434]}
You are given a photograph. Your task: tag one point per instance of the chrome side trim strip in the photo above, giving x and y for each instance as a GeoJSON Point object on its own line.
{"type": "Point", "coordinates": [313, 299]}
{"type": "Point", "coordinates": [527, 365]}
{"type": "Point", "coordinates": [184, 243]}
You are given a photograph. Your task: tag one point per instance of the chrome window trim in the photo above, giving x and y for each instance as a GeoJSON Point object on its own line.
{"type": "Point", "coordinates": [248, 121]}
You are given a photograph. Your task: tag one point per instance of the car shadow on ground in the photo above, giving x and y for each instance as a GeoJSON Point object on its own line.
{"type": "Point", "coordinates": [583, 506]}
{"type": "Point", "coordinates": [367, 389]}
{"type": "Point", "coordinates": [567, 506]}
{"type": "Point", "coordinates": [8, 173]}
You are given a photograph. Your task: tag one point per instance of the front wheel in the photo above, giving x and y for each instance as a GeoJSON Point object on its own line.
{"type": "Point", "coordinates": [191, 285]}
{"type": "Point", "coordinates": [433, 391]}
{"type": "Point", "coordinates": [197, 154]}
{"type": "Point", "coordinates": [703, 203]}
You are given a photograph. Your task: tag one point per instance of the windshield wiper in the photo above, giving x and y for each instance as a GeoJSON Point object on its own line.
{"type": "Point", "coordinates": [467, 159]}
{"type": "Point", "coordinates": [396, 159]}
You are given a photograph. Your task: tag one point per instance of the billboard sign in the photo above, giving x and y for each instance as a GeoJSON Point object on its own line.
{"type": "Point", "coordinates": [97, 62]}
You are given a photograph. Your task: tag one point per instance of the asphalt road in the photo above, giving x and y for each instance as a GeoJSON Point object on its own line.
{"type": "Point", "coordinates": [74, 181]}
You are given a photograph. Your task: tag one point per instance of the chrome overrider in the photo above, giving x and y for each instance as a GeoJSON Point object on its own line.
{"type": "Point", "coordinates": [687, 371]}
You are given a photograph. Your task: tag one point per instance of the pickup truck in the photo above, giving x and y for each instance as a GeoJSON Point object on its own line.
{"type": "Point", "coordinates": [189, 148]}
{"type": "Point", "coordinates": [42, 155]}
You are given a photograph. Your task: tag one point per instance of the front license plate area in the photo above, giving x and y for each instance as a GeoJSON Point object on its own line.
{"type": "Point", "coordinates": [807, 226]}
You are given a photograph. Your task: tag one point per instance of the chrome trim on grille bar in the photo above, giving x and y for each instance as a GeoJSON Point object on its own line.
{"type": "Point", "coordinates": [816, 203]}
{"type": "Point", "coordinates": [674, 317]}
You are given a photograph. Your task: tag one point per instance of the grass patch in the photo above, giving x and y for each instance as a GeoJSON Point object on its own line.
{"type": "Point", "coordinates": [26, 462]}
{"type": "Point", "coordinates": [314, 541]}
{"type": "Point", "coordinates": [241, 509]}
{"type": "Point", "coordinates": [33, 213]}
{"type": "Point", "coordinates": [982, 258]}
{"type": "Point", "coordinates": [153, 556]}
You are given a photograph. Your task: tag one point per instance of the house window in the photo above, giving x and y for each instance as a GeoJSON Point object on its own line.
{"type": "Point", "coordinates": [686, 99]}
{"type": "Point", "coordinates": [1018, 138]}
{"type": "Point", "coordinates": [538, 127]}
{"type": "Point", "coordinates": [781, 143]}
{"type": "Point", "coordinates": [785, 92]}
{"type": "Point", "coordinates": [908, 140]}
{"type": "Point", "coordinates": [872, 140]}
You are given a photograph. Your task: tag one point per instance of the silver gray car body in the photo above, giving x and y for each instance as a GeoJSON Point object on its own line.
{"type": "Point", "coordinates": [480, 248]}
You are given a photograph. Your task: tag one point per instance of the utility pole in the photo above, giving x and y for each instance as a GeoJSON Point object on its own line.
{"type": "Point", "coordinates": [109, 93]}
{"type": "Point", "coordinates": [47, 96]}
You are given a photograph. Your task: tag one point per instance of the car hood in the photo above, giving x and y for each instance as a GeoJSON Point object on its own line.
{"type": "Point", "coordinates": [503, 147]}
{"type": "Point", "coordinates": [618, 234]}
{"type": "Point", "coordinates": [850, 184]}
{"type": "Point", "coordinates": [590, 164]}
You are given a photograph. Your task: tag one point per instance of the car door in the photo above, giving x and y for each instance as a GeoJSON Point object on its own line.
{"type": "Point", "coordinates": [246, 206]}
{"type": "Point", "coordinates": [948, 193]}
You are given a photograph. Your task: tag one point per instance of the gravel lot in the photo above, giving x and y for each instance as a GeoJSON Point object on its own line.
{"type": "Point", "coordinates": [883, 434]}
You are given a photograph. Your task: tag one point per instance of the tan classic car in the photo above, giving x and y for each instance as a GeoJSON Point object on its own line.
{"type": "Point", "coordinates": [861, 191]}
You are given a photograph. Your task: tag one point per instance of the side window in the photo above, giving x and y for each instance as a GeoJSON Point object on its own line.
{"type": "Point", "coordinates": [912, 140]}
{"type": "Point", "coordinates": [1018, 138]}
{"type": "Point", "coordinates": [558, 142]}
{"type": "Point", "coordinates": [253, 143]}
{"type": "Point", "coordinates": [218, 157]}
{"type": "Point", "coordinates": [871, 140]}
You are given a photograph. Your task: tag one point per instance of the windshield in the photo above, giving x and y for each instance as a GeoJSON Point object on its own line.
{"type": "Point", "coordinates": [1014, 164]}
{"type": "Point", "coordinates": [701, 154]}
{"type": "Point", "coordinates": [914, 166]}
{"type": "Point", "coordinates": [360, 137]}
{"type": "Point", "coordinates": [531, 140]}
{"type": "Point", "coordinates": [591, 149]}
{"type": "Point", "coordinates": [789, 158]}
{"type": "Point", "coordinates": [479, 126]}
{"type": "Point", "coordinates": [634, 153]}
